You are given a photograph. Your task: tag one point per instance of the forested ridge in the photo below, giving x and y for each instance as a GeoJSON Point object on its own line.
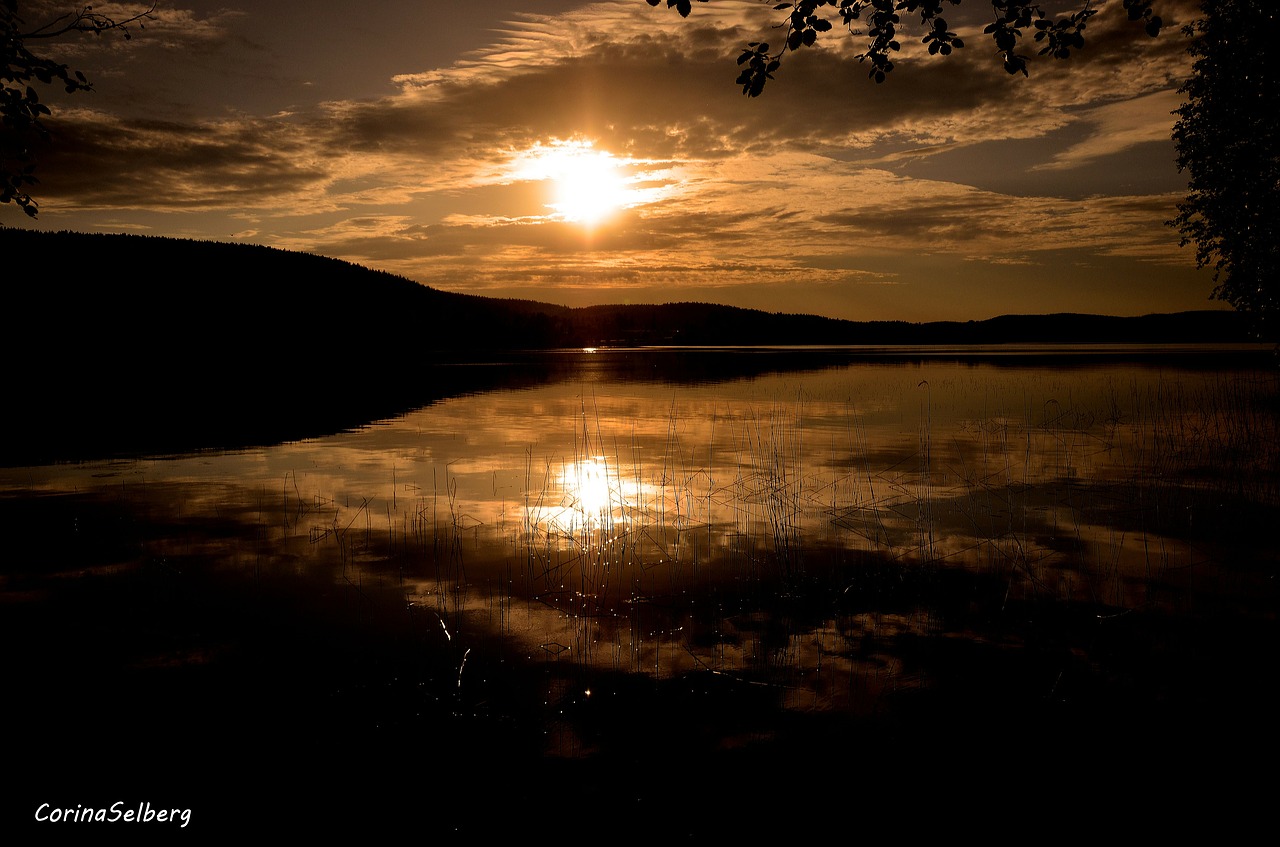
{"type": "Point", "coordinates": [127, 344]}
{"type": "Point", "coordinates": [148, 290]}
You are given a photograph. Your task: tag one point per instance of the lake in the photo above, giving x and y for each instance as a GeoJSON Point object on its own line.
{"type": "Point", "coordinates": [594, 574]}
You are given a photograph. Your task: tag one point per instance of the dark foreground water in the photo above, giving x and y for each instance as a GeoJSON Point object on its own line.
{"type": "Point", "coordinates": [673, 593]}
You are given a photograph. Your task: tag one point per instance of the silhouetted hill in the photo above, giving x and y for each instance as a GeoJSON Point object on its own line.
{"type": "Point", "coordinates": [136, 294]}
{"type": "Point", "coordinates": [166, 288]}
{"type": "Point", "coordinates": [115, 342]}
{"type": "Point", "coordinates": [699, 324]}
{"type": "Point", "coordinates": [119, 341]}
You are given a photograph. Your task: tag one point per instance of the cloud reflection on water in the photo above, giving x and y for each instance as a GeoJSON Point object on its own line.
{"type": "Point", "coordinates": [788, 530]}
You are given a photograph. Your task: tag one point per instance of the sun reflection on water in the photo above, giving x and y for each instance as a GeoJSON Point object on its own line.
{"type": "Point", "coordinates": [589, 494]}
{"type": "Point", "coordinates": [719, 533]}
{"type": "Point", "coordinates": [587, 486]}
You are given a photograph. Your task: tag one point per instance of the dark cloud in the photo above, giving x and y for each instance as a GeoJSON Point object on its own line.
{"type": "Point", "coordinates": [826, 180]}
{"type": "Point", "coordinates": [955, 219]}
{"type": "Point", "coordinates": [94, 160]}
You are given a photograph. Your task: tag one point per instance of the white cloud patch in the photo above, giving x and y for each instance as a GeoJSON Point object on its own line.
{"type": "Point", "coordinates": [1117, 127]}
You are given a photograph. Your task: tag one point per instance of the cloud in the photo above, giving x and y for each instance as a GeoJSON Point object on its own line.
{"type": "Point", "coordinates": [653, 86]}
{"type": "Point", "coordinates": [166, 27]}
{"type": "Point", "coordinates": [97, 161]}
{"type": "Point", "coordinates": [796, 187]}
{"type": "Point", "coordinates": [1117, 127]}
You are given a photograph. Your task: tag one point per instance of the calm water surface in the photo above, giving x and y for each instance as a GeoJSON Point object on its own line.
{"type": "Point", "coordinates": [800, 532]}
{"type": "Point", "coordinates": [595, 493]}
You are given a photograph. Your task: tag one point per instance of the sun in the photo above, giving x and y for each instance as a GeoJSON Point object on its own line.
{"type": "Point", "coordinates": [589, 188]}
{"type": "Point", "coordinates": [587, 185]}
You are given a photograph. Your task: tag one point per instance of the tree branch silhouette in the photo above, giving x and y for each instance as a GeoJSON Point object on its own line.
{"type": "Point", "coordinates": [880, 22]}
{"type": "Point", "coordinates": [21, 70]}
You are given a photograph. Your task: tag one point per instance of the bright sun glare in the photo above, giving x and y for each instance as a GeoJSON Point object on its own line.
{"type": "Point", "coordinates": [593, 498]}
{"type": "Point", "coordinates": [588, 184]}
{"type": "Point", "coordinates": [586, 484]}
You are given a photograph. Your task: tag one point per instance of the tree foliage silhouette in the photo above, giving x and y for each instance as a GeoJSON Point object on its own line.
{"type": "Point", "coordinates": [21, 70]}
{"type": "Point", "coordinates": [880, 21]}
{"type": "Point", "coordinates": [1228, 142]}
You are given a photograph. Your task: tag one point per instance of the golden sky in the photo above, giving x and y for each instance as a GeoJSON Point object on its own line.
{"type": "Point", "coordinates": [601, 152]}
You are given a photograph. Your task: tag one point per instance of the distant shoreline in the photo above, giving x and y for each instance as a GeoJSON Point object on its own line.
{"type": "Point", "coordinates": [183, 292]}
